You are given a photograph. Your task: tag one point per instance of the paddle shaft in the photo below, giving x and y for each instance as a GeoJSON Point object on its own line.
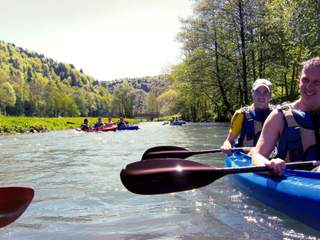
{"type": "Point", "coordinates": [291, 165]}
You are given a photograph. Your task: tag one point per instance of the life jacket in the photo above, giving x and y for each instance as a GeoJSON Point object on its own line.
{"type": "Point", "coordinates": [300, 139]}
{"type": "Point", "coordinates": [252, 125]}
{"type": "Point", "coordinates": [98, 125]}
{"type": "Point", "coordinates": [122, 125]}
{"type": "Point", "coordinates": [84, 127]}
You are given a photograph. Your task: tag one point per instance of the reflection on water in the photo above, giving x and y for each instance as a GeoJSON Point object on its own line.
{"type": "Point", "coordinates": [79, 194]}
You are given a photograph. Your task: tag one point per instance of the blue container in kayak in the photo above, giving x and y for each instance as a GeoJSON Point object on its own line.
{"type": "Point", "coordinates": [296, 193]}
{"type": "Point", "coordinates": [129, 127]}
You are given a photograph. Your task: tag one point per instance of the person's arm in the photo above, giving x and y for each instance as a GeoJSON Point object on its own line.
{"type": "Point", "coordinates": [227, 144]}
{"type": "Point", "coordinates": [270, 134]}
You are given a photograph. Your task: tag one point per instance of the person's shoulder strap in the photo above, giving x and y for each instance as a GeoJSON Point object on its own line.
{"type": "Point", "coordinates": [272, 106]}
{"type": "Point", "coordinates": [247, 112]}
{"type": "Point", "coordinates": [286, 110]}
{"type": "Point", "coordinates": [246, 109]}
{"type": "Point", "coordinates": [284, 106]}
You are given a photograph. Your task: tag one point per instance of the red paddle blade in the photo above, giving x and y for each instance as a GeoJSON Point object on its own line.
{"type": "Point", "coordinates": [13, 202]}
{"type": "Point", "coordinates": [167, 175]}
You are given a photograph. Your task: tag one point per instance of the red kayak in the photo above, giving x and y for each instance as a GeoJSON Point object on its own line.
{"type": "Point", "coordinates": [107, 129]}
{"type": "Point", "coordinates": [103, 129]}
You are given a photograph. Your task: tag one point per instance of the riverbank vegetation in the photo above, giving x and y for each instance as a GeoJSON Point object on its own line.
{"type": "Point", "coordinates": [35, 124]}
{"type": "Point", "coordinates": [226, 46]}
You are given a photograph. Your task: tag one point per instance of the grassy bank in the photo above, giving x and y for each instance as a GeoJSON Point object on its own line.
{"type": "Point", "coordinates": [34, 124]}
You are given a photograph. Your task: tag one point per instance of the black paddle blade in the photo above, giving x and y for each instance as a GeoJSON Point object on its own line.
{"type": "Point", "coordinates": [167, 176]}
{"type": "Point", "coordinates": [180, 154]}
{"type": "Point", "coordinates": [161, 149]}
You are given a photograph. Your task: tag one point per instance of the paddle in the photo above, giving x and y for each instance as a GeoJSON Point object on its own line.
{"type": "Point", "coordinates": [180, 152]}
{"type": "Point", "coordinates": [174, 175]}
{"type": "Point", "coordinates": [13, 202]}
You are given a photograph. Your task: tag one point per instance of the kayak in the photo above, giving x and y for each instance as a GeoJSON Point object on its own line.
{"type": "Point", "coordinates": [103, 129]}
{"type": "Point", "coordinates": [107, 129]}
{"type": "Point", "coordinates": [178, 123]}
{"type": "Point", "coordinates": [129, 127]}
{"type": "Point", "coordinates": [296, 193]}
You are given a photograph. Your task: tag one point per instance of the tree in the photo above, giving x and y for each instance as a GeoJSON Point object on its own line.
{"type": "Point", "coordinates": [123, 98]}
{"type": "Point", "coordinates": [7, 96]}
{"type": "Point", "coordinates": [167, 102]}
{"type": "Point", "coordinates": [152, 105]}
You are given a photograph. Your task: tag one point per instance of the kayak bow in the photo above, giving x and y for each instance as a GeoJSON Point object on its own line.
{"type": "Point", "coordinates": [296, 193]}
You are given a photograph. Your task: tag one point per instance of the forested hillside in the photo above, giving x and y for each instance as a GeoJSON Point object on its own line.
{"type": "Point", "coordinates": [151, 83]}
{"type": "Point", "coordinates": [33, 85]}
{"type": "Point", "coordinates": [146, 95]}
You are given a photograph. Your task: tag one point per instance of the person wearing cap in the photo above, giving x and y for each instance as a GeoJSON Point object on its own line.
{"type": "Point", "coordinates": [294, 127]}
{"type": "Point", "coordinates": [247, 122]}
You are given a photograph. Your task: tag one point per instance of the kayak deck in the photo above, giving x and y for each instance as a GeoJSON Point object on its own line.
{"type": "Point", "coordinates": [296, 193]}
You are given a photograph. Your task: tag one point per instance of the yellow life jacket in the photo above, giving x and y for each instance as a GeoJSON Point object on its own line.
{"type": "Point", "coordinates": [252, 125]}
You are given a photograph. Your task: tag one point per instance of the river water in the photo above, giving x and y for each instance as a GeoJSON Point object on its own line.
{"type": "Point", "coordinates": [78, 193]}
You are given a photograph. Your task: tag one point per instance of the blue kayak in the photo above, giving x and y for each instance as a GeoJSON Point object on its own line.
{"type": "Point", "coordinates": [296, 193]}
{"type": "Point", "coordinates": [129, 127]}
{"type": "Point", "coordinates": [177, 123]}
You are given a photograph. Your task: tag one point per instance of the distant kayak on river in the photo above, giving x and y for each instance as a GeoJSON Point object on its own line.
{"type": "Point", "coordinates": [128, 127]}
{"type": "Point", "coordinates": [177, 123]}
{"type": "Point", "coordinates": [102, 129]}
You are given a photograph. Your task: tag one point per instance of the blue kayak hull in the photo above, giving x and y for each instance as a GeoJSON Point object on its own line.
{"type": "Point", "coordinates": [177, 123]}
{"type": "Point", "coordinates": [130, 127]}
{"type": "Point", "coordinates": [296, 194]}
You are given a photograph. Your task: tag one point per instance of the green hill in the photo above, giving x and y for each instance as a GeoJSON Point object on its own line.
{"type": "Point", "coordinates": [34, 85]}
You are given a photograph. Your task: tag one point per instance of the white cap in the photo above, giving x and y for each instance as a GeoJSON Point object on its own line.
{"type": "Point", "coordinates": [262, 82]}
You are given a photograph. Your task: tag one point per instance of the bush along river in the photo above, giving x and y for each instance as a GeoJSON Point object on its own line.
{"type": "Point", "coordinates": [79, 195]}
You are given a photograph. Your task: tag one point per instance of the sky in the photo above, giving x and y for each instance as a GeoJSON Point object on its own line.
{"type": "Point", "coordinates": [108, 39]}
